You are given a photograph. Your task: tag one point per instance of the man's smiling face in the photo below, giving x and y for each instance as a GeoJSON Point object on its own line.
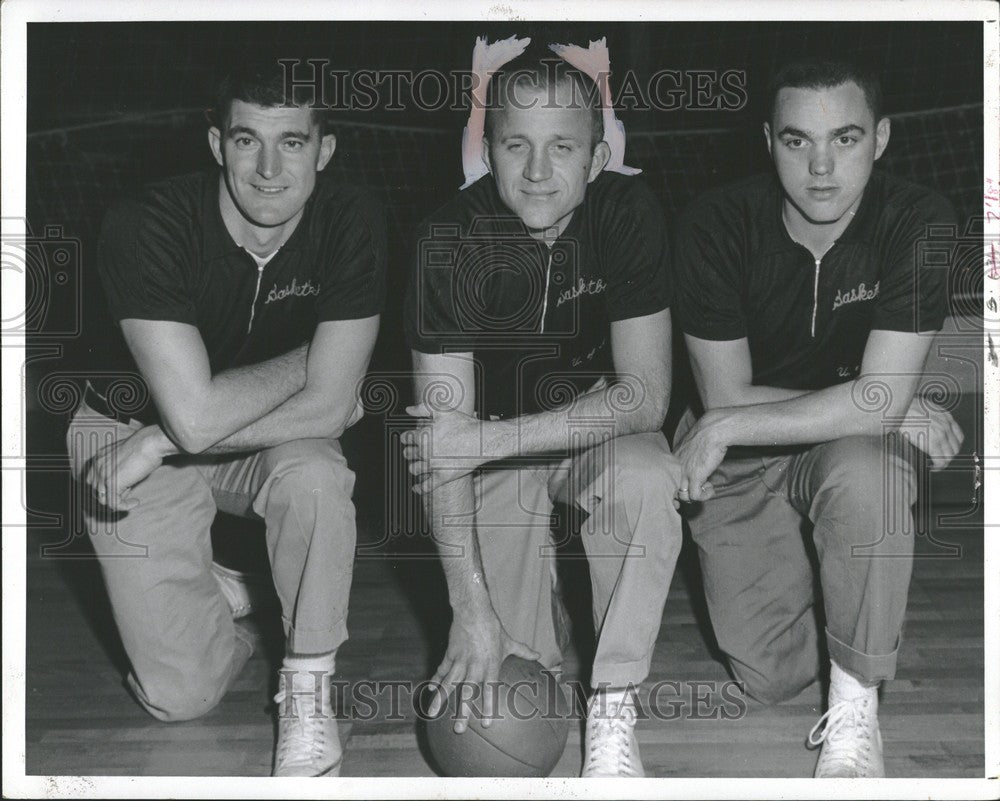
{"type": "Point", "coordinates": [270, 157]}
{"type": "Point", "coordinates": [542, 156]}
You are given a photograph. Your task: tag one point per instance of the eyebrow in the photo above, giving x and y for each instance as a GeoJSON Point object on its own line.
{"type": "Point", "coordinates": [788, 130]}
{"type": "Point", "coordinates": [852, 128]}
{"type": "Point", "coordinates": [554, 138]}
{"type": "Point", "coordinates": [236, 130]}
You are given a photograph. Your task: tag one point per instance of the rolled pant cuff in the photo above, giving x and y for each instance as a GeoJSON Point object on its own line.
{"type": "Point", "coordinates": [620, 675]}
{"type": "Point", "coordinates": [314, 641]}
{"type": "Point", "coordinates": [868, 668]}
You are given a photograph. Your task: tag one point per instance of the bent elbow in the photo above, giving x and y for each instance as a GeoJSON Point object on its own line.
{"type": "Point", "coordinates": [186, 434]}
{"type": "Point", "coordinates": [333, 419]}
{"type": "Point", "coordinates": [335, 425]}
{"type": "Point", "coordinates": [649, 416]}
{"type": "Point", "coordinates": [657, 414]}
{"type": "Point", "coordinates": [192, 443]}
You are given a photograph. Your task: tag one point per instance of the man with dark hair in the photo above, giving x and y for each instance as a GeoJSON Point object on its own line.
{"type": "Point", "coordinates": [540, 326]}
{"type": "Point", "coordinates": [249, 299]}
{"type": "Point", "coordinates": [808, 320]}
{"type": "Point", "coordinates": [262, 83]}
{"type": "Point", "coordinates": [821, 74]}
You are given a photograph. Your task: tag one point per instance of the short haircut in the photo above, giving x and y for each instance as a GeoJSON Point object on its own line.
{"type": "Point", "coordinates": [825, 74]}
{"type": "Point", "coordinates": [532, 73]}
{"type": "Point", "coordinates": [261, 83]}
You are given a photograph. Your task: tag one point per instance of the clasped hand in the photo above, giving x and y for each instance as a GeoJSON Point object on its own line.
{"type": "Point", "coordinates": [444, 446]}
{"type": "Point", "coordinates": [118, 467]}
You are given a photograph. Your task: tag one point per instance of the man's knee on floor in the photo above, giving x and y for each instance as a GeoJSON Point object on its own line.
{"type": "Point", "coordinates": [173, 700]}
{"type": "Point", "coordinates": [186, 684]}
{"type": "Point", "coordinates": [774, 686]}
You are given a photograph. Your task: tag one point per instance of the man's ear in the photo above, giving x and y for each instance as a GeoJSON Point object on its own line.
{"type": "Point", "coordinates": [882, 131]}
{"type": "Point", "coordinates": [767, 137]}
{"type": "Point", "coordinates": [215, 143]}
{"type": "Point", "coordinates": [486, 154]}
{"type": "Point", "coordinates": [326, 148]}
{"type": "Point", "coordinates": [598, 161]}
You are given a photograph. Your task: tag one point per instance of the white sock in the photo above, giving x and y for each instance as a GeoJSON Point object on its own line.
{"type": "Point", "coordinates": [844, 687]}
{"type": "Point", "coordinates": [305, 669]}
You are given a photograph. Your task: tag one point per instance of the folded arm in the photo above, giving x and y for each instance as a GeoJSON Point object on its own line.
{"type": "Point", "coordinates": [635, 402]}
{"type": "Point", "coordinates": [739, 413]}
{"type": "Point", "coordinates": [309, 392]}
{"type": "Point", "coordinates": [196, 408]}
{"type": "Point", "coordinates": [328, 404]}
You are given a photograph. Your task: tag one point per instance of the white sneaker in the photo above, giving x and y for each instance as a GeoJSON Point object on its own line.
{"type": "Point", "coordinates": [245, 593]}
{"type": "Point", "coordinates": [610, 747]}
{"type": "Point", "coordinates": [308, 740]}
{"type": "Point", "coordinates": [852, 743]}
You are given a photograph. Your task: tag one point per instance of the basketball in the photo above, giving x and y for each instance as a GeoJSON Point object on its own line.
{"type": "Point", "coordinates": [526, 736]}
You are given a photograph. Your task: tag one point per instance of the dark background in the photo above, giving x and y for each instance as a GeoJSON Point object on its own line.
{"type": "Point", "coordinates": [113, 105]}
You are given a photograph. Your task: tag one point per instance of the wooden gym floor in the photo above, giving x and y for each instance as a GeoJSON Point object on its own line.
{"type": "Point", "coordinates": [81, 720]}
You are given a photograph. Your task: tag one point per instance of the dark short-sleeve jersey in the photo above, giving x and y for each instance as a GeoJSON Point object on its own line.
{"type": "Point", "coordinates": [536, 318]}
{"type": "Point", "coordinates": [167, 255]}
{"type": "Point", "coordinates": [807, 320]}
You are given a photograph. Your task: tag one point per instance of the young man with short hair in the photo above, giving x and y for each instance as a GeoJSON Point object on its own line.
{"type": "Point", "coordinates": [540, 326]}
{"type": "Point", "coordinates": [249, 299]}
{"type": "Point", "coordinates": [808, 319]}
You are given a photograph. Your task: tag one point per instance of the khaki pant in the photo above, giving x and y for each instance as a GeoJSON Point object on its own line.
{"type": "Point", "coordinates": [853, 498]}
{"type": "Point", "coordinates": [156, 559]}
{"type": "Point", "coordinates": [632, 537]}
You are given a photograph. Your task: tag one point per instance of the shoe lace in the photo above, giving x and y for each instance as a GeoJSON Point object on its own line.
{"type": "Point", "coordinates": [610, 741]}
{"type": "Point", "coordinates": [845, 734]}
{"type": "Point", "coordinates": [301, 735]}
